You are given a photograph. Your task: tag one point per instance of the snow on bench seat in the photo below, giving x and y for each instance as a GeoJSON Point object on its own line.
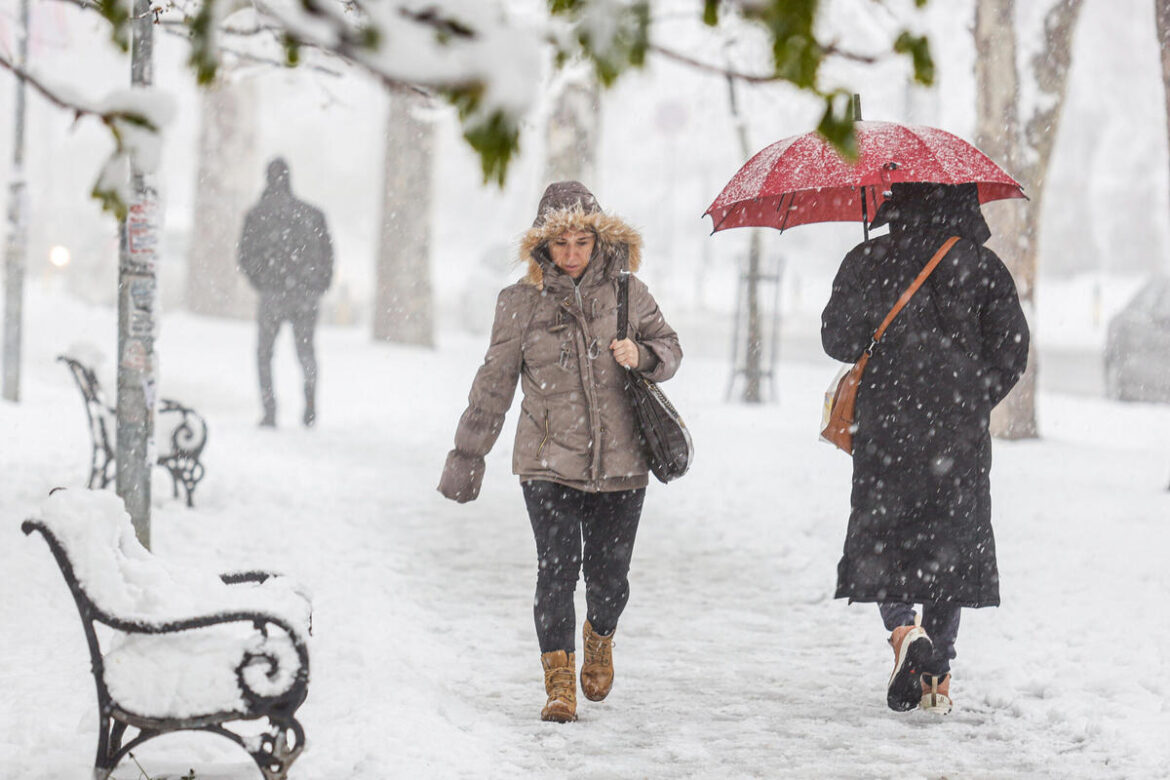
{"type": "Point", "coordinates": [192, 672]}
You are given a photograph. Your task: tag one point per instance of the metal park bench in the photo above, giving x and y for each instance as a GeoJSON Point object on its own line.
{"type": "Point", "coordinates": [180, 456]}
{"type": "Point", "coordinates": [174, 648]}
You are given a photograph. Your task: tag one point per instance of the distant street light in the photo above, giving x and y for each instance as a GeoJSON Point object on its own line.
{"type": "Point", "coordinates": [59, 256]}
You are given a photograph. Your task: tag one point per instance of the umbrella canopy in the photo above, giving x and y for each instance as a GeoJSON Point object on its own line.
{"type": "Point", "coordinates": [803, 179]}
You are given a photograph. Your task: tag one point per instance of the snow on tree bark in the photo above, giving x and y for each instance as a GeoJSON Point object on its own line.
{"type": "Point", "coordinates": [1162, 19]}
{"type": "Point", "coordinates": [753, 348]}
{"type": "Point", "coordinates": [137, 304]}
{"type": "Point", "coordinates": [403, 309]}
{"type": "Point", "coordinates": [1020, 133]}
{"type": "Point", "coordinates": [16, 247]}
{"type": "Point", "coordinates": [572, 132]}
{"type": "Point", "coordinates": [227, 170]}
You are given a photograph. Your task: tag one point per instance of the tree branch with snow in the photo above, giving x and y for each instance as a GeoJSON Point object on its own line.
{"type": "Point", "coordinates": [134, 118]}
{"type": "Point", "coordinates": [487, 63]}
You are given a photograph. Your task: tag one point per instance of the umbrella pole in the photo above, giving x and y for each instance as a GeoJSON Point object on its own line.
{"type": "Point", "coordinates": [864, 215]}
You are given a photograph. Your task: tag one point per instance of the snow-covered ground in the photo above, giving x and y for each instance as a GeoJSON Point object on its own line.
{"type": "Point", "coordinates": [732, 659]}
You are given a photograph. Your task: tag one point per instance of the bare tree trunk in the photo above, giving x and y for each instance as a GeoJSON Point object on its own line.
{"type": "Point", "coordinates": [1025, 146]}
{"type": "Point", "coordinates": [754, 346]}
{"type": "Point", "coordinates": [403, 302]}
{"type": "Point", "coordinates": [16, 249]}
{"type": "Point", "coordinates": [137, 303]}
{"type": "Point", "coordinates": [227, 164]}
{"type": "Point", "coordinates": [571, 134]}
{"type": "Point", "coordinates": [997, 133]}
{"type": "Point", "coordinates": [1162, 19]}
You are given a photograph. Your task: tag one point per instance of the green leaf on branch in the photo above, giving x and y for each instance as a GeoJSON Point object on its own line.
{"type": "Point", "coordinates": [711, 13]}
{"type": "Point", "coordinates": [292, 51]}
{"type": "Point", "coordinates": [627, 48]}
{"type": "Point", "coordinates": [117, 13]}
{"type": "Point", "coordinates": [796, 53]}
{"type": "Point", "coordinates": [202, 57]}
{"type": "Point", "coordinates": [918, 47]}
{"type": "Point", "coordinates": [130, 118]}
{"type": "Point", "coordinates": [797, 60]}
{"type": "Point", "coordinates": [110, 201]}
{"type": "Point", "coordinates": [370, 37]}
{"type": "Point", "coordinates": [836, 124]}
{"type": "Point", "coordinates": [495, 138]}
{"type": "Point", "coordinates": [641, 40]}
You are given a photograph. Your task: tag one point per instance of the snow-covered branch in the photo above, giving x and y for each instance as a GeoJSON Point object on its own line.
{"type": "Point", "coordinates": [135, 119]}
{"type": "Point", "coordinates": [489, 64]}
{"type": "Point", "coordinates": [65, 98]}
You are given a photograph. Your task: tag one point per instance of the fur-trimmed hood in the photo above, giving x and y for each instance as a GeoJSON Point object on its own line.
{"type": "Point", "coordinates": [618, 244]}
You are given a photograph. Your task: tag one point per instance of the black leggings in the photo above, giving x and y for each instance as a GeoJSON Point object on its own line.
{"type": "Point", "coordinates": [561, 517]}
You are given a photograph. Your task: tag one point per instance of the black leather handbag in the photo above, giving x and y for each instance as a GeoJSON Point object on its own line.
{"type": "Point", "coordinates": [666, 441]}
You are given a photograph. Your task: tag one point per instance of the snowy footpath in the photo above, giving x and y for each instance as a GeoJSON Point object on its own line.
{"type": "Point", "coordinates": [732, 659]}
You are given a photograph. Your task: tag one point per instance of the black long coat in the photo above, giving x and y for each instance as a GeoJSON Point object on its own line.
{"type": "Point", "coordinates": [920, 525]}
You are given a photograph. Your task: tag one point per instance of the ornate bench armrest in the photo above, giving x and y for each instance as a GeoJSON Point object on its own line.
{"type": "Point", "coordinates": [259, 577]}
{"type": "Point", "coordinates": [261, 620]}
{"type": "Point", "coordinates": [271, 662]}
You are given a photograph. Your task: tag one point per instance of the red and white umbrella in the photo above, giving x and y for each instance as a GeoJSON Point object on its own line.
{"type": "Point", "coordinates": [803, 179]}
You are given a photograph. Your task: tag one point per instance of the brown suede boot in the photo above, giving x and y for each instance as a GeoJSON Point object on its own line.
{"type": "Point", "coordinates": [597, 668]}
{"type": "Point", "coordinates": [560, 683]}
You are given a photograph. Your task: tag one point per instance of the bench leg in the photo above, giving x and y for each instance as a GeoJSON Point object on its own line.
{"type": "Point", "coordinates": [109, 743]}
{"type": "Point", "coordinates": [279, 748]}
{"type": "Point", "coordinates": [189, 486]}
{"type": "Point", "coordinates": [185, 474]}
{"type": "Point", "coordinates": [99, 471]}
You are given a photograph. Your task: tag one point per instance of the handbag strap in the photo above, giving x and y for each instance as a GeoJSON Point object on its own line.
{"type": "Point", "coordinates": [623, 310]}
{"type": "Point", "coordinates": [909, 293]}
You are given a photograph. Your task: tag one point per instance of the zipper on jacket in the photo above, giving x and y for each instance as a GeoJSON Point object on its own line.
{"type": "Point", "coordinates": [543, 441]}
{"type": "Point", "coordinates": [587, 385]}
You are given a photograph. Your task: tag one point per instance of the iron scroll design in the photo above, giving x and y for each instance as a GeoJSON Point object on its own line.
{"type": "Point", "coordinates": [282, 738]}
{"type": "Point", "coordinates": [187, 442]}
{"type": "Point", "coordinates": [182, 459]}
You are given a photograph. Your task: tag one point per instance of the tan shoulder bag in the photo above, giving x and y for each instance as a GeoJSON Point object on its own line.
{"type": "Point", "coordinates": [838, 419]}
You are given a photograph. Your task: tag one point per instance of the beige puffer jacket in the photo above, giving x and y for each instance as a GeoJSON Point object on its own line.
{"type": "Point", "coordinates": [576, 425]}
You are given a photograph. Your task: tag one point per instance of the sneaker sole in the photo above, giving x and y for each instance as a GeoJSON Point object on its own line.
{"type": "Point", "coordinates": [904, 691]}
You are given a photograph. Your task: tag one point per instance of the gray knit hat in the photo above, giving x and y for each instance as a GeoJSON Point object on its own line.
{"type": "Point", "coordinates": [565, 196]}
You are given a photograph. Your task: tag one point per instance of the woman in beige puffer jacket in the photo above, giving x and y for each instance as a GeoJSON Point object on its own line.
{"type": "Point", "coordinates": [577, 451]}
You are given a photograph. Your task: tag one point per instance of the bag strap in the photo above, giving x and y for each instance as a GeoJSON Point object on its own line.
{"type": "Point", "coordinates": [623, 310]}
{"type": "Point", "coordinates": [913, 288]}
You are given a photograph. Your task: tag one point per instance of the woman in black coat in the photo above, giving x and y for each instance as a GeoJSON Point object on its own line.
{"type": "Point", "coordinates": [920, 526]}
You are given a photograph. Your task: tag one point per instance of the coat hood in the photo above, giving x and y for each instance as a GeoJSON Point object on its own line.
{"type": "Point", "coordinates": [951, 208]}
{"type": "Point", "coordinates": [570, 205]}
{"type": "Point", "coordinates": [278, 176]}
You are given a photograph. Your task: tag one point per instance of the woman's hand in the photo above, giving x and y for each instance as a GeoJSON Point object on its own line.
{"type": "Point", "coordinates": [625, 352]}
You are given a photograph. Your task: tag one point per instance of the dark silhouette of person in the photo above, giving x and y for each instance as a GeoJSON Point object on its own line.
{"type": "Point", "coordinates": [287, 255]}
{"type": "Point", "coordinates": [919, 528]}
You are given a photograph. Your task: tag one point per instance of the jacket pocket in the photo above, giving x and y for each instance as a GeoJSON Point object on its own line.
{"type": "Point", "coordinates": [544, 441]}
